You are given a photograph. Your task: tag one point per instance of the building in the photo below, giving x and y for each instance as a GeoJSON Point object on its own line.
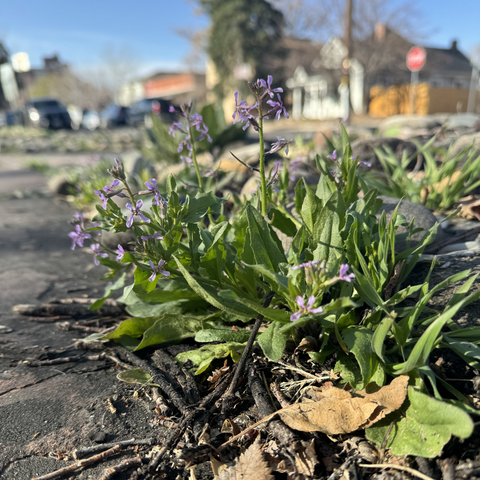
{"type": "Point", "coordinates": [444, 81]}
{"type": "Point", "coordinates": [317, 87]}
{"type": "Point", "coordinates": [178, 87]}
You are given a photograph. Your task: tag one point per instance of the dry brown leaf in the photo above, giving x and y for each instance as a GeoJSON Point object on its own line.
{"type": "Point", "coordinates": [306, 460]}
{"type": "Point", "coordinates": [471, 210]}
{"type": "Point", "coordinates": [343, 412]}
{"type": "Point", "coordinates": [250, 465]}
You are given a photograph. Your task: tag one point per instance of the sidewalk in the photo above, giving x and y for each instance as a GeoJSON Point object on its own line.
{"type": "Point", "coordinates": [48, 411]}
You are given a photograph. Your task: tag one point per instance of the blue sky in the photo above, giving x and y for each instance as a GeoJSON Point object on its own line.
{"type": "Point", "coordinates": [81, 31]}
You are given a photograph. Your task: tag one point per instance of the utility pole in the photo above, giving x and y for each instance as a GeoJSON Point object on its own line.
{"type": "Point", "coordinates": [345, 83]}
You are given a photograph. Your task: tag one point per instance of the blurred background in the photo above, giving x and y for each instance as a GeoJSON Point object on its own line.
{"type": "Point", "coordinates": [94, 65]}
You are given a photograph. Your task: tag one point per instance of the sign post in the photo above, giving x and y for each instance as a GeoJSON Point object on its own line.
{"type": "Point", "coordinates": [416, 58]}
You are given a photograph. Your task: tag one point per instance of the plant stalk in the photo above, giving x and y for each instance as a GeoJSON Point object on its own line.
{"type": "Point", "coordinates": [194, 158]}
{"type": "Point", "coordinates": [262, 158]}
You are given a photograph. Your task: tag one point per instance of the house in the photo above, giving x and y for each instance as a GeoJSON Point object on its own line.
{"type": "Point", "coordinates": [179, 87]}
{"type": "Point", "coordinates": [317, 87]}
{"type": "Point", "coordinates": [444, 81]}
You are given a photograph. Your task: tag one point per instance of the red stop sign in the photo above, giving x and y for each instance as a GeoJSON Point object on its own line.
{"type": "Point", "coordinates": [416, 58]}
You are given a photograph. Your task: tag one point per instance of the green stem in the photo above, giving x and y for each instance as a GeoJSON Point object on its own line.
{"type": "Point", "coordinates": [194, 158]}
{"type": "Point", "coordinates": [262, 158]}
{"type": "Point", "coordinates": [130, 194]}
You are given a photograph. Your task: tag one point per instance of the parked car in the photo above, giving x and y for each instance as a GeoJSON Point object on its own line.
{"type": "Point", "coordinates": [139, 113]}
{"type": "Point", "coordinates": [113, 116]}
{"type": "Point", "coordinates": [90, 120]}
{"type": "Point", "coordinates": [48, 113]}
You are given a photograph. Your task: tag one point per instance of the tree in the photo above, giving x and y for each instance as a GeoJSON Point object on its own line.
{"type": "Point", "coordinates": [243, 32]}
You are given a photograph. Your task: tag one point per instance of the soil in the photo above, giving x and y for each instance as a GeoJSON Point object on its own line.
{"type": "Point", "coordinates": [49, 411]}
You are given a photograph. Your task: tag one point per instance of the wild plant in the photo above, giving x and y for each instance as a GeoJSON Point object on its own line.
{"type": "Point", "coordinates": [325, 266]}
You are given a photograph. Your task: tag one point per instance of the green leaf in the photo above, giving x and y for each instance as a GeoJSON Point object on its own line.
{"type": "Point", "coordinates": [300, 193]}
{"type": "Point", "coordinates": [205, 355]}
{"type": "Point", "coordinates": [132, 327]}
{"type": "Point", "coordinates": [109, 289]}
{"type": "Point", "coordinates": [429, 338]}
{"type": "Point", "coordinates": [194, 242]}
{"type": "Point", "coordinates": [137, 376]}
{"type": "Point", "coordinates": [265, 249]}
{"type": "Point", "coordinates": [359, 342]}
{"type": "Point", "coordinates": [221, 335]}
{"type": "Point", "coordinates": [311, 208]}
{"type": "Point", "coordinates": [171, 327]}
{"type": "Point", "coordinates": [272, 342]}
{"type": "Point", "coordinates": [426, 426]}
{"type": "Point", "coordinates": [283, 223]}
{"type": "Point", "coordinates": [240, 306]}
{"type": "Point", "coordinates": [196, 208]}
{"type": "Point", "coordinates": [330, 245]}
{"type": "Point", "coordinates": [278, 282]}
{"type": "Point", "coordinates": [379, 336]}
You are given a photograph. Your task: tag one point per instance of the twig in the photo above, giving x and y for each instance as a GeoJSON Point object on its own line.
{"type": "Point", "coordinates": [409, 470]}
{"type": "Point", "coordinates": [73, 309]}
{"type": "Point", "coordinates": [381, 450]}
{"type": "Point", "coordinates": [436, 248]}
{"type": "Point", "coordinates": [279, 395]}
{"type": "Point", "coordinates": [110, 472]}
{"type": "Point", "coordinates": [80, 464]}
{"type": "Point", "coordinates": [53, 319]}
{"type": "Point", "coordinates": [82, 452]}
{"type": "Point", "coordinates": [88, 301]}
{"type": "Point", "coordinates": [244, 164]}
{"type": "Point", "coordinates": [177, 432]}
{"type": "Point", "coordinates": [246, 352]}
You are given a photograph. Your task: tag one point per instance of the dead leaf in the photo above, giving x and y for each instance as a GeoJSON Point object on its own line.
{"type": "Point", "coordinates": [341, 412]}
{"type": "Point", "coordinates": [471, 210]}
{"type": "Point", "coordinates": [250, 465]}
{"type": "Point", "coordinates": [306, 460]}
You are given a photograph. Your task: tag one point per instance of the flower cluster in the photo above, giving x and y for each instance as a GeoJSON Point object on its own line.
{"type": "Point", "coordinates": [194, 120]}
{"type": "Point", "coordinates": [110, 191]}
{"type": "Point", "coordinates": [337, 174]}
{"type": "Point", "coordinates": [316, 277]}
{"type": "Point", "coordinates": [261, 88]}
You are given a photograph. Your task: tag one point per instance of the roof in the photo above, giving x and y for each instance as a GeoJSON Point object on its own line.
{"type": "Point", "coordinates": [441, 60]}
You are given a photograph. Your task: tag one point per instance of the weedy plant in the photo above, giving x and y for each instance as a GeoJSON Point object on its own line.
{"type": "Point", "coordinates": [438, 185]}
{"type": "Point", "coordinates": [324, 266]}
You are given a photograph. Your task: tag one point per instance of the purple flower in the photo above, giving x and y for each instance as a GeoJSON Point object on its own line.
{"type": "Point", "coordinates": [153, 188]}
{"type": "Point", "coordinates": [155, 236]}
{"type": "Point", "coordinates": [333, 156]}
{"type": "Point", "coordinates": [97, 252]}
{"type": "Point", "coordinates": [136, 212]}
{"type": "Point", "coordinates": [240, 109]}
{"type": "Point", "coordinates": [306, 265]}
{"type": "Point", "coordinates": [335, 175]}
{"type": "Point", "coordinates": [184, 143]}
{"type": "Point", "coordinates": [343, 271]}
{"type": "Point", "coordinates": [102, 197]}
{"type": "Point", "coordinates": [277, 108]}
{"type": "Point", "coordinates": [278, 145]}
{"type": "Point", "coordinates": [78, 237]}
{"type": "Point", "coordinates": [176, 126]}
{"type": "Point", "coordinates": [196, 121]}
{"type": "Point", "coordinates": [186, 160]}
{"type": "Point", "coordinates": [157, 270]}
{"type": "Point", "coordinates": [210, 173]}
{"type": "Point", "coordinates": [363, 163]}
{"type": "Point", "coordinates": [110, 189]}
{"type": "Point", "coordinates": [171, 109]}
{"type": "Point", "coordinates": [305, 308]}
{"type": "Point", "coordinates": [121, 252]}
{"type": "Point", "coordinates": [267, 85]}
